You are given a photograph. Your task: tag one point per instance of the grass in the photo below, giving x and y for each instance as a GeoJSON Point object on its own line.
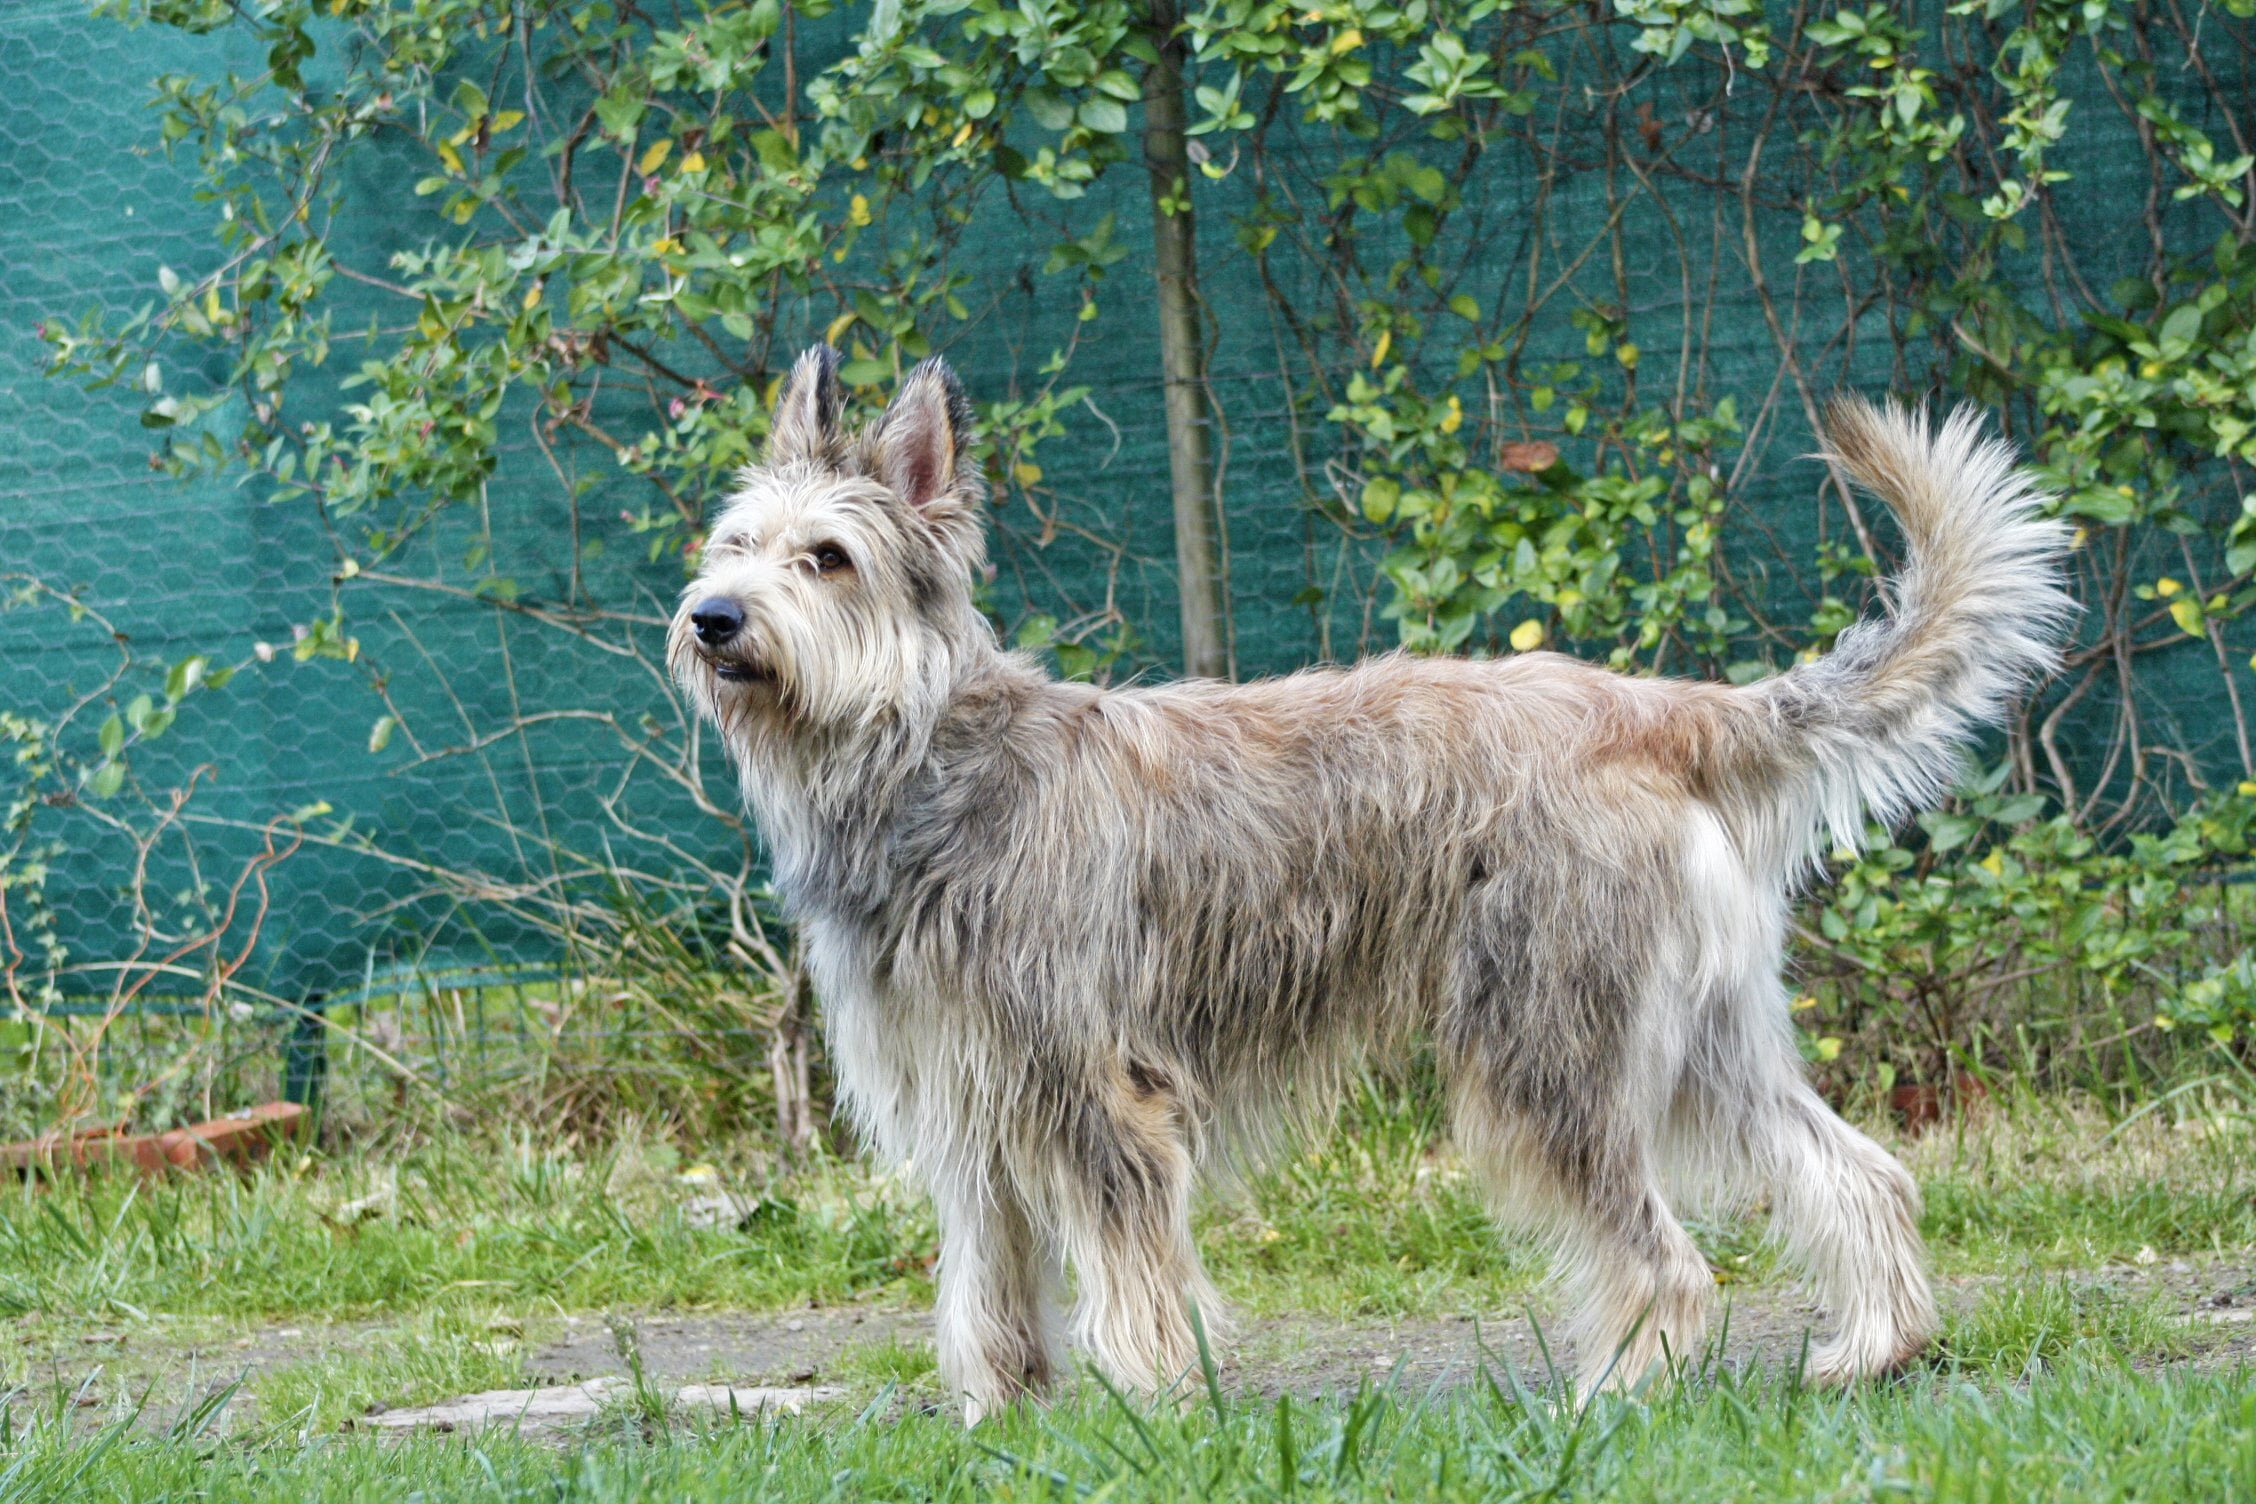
{"type": "Point", "coordinates": [1379, 1221]}
{"type": "Point", "coordinates": [436, 1355]}
{"type": "Point", "coordinates": [2088, 1432]}
{"type": "Point", "coordinates": [407, 1273]}
{"type": "Point", "coordinates": [452, 1222]}
{"type": "Point", "coordinates": [2022, 1329]}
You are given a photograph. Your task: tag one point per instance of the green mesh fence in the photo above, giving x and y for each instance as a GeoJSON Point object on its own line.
{"type": "Point", "coordinates": [497, 782]}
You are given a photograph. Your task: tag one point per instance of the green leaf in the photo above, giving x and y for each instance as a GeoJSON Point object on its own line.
{"type": "Point", "coordinates": [1050, 112]}
{"type": "Point", "coordinates": [2019, 808]}
{"type": "Point", "coordinates": [1380, 496]}
{"type": "Point", "coordinates": [2179, 331]}
{"type": "Point", "coordinates": [1945, 832]}
{"type": "Point", "coordinates": [1107, 117]}
{"type": "Point", "coordinates": [112, 736]}
{"type": "Point", "coordinates": [2102, 505]}
{"type": "Point", "coordinates": [185, 676]}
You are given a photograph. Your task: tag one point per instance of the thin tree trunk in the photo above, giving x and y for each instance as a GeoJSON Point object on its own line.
{"type": "Point", "coordinates": [793, 1074]}
{"type": "Point", "coordinates": [1190, 428]}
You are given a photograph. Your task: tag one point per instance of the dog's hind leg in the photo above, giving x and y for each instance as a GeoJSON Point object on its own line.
{"type": "Point", "coordinates": [994, 1309]}
{"type": "Point", "coordinates": [1121, 1196]}
{"type": "Point", "coordinates": [1847, 1215]}
{"type": "Point", "coordinates": [1638, 1289]}
{"type": "Point", "coordinates": [1843, 1211]}
{"type": "Point", "coordinates": [1745, 1122]}
{"type": "Point", "coordinates": [1563, 1052]}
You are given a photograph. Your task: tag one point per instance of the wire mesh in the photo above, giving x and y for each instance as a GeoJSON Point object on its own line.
{"type": "Point", "coordinates": [430, 838]}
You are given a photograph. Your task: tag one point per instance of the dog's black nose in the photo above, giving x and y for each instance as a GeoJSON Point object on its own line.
{"type": "Point", "coordinates": [716, 620]}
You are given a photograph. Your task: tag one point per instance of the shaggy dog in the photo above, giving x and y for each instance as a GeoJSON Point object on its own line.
{"type": "Point", "coordinates": [1077, 946]}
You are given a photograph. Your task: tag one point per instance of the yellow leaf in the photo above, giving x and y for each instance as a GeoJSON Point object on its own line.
{"type": "Point", "coordinates": [2079, 539]}
{"type": "Point", "coordinates": [2186, 613]}
{"type": "Point", "coordinates": [532, 297]}
{"type": "Point", "coordinates": [2167, 587]}
{"type": "Point", "coordinates": [1454, 418]}
{"type": "Point", "coordinates": [1804, 1003]}
{"type": "Point", "coordinates": [1346, 41]}
{"type": "Point", "coordinates": [1025, 473]}
{"type": "Point", "coordinates": [2150, 369]}
{"type": "Point", "coordinates": [963, 134]}
{"type": "Point", "coordinates": [1379, 351]}
{"type": "Point", "coordinates": [857, 210]}
{"type": "Point", "coordinates": [2247, 789]}
{"type": "Point", "coordinates": [694, 162]}
{"type": "Point", "coordinates": [1628, 355]}
{"type": "Point", "coordinates": [451, 157]}
{"type": "Point", "coordinates": [659, 150]}
{"type": "Point", "coordinates": [2165, 1022]}
{"type": "Point", "coordinates": [506, 119]}
{"type": "Point", "coordinates": [1994, 864]}
{"type": "Point", "coordinates": [838, 326]}
{"type": "Point", "coordinates": [1527, 636]}
{"type": "Point", "coordinates": [1829, 1048]}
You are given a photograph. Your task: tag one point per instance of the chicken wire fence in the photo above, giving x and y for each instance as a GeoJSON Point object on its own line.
{"type": "Point", "coordinates": [481, 842]}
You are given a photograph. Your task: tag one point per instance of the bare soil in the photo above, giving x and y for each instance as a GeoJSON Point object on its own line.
{"type": "Point", "coordinates": [1309, 1355]}
{"type": "Point", "coordinates": [166, 1371]}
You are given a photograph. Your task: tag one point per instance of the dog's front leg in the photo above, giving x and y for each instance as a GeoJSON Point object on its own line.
{"type": "Point", "coordinates": [995, 1314]}
{"type": "Point", "coordinates": [1123, 1203]}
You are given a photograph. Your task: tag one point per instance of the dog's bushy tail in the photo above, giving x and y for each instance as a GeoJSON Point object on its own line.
{"type": "Point", "coordinates": [1876, 727]}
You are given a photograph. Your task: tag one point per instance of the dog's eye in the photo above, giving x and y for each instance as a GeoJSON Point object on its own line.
{"type": "Point", "coordinates": [830, 558]}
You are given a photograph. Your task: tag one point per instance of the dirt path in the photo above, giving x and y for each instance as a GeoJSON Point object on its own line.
{"type": "Point", "coordinates": [856, 1349]}
{"type": "Point", "coordinates": [1307, 1355]}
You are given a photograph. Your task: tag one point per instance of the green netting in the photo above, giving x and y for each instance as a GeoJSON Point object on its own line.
{"type": "Point", "coordinates": [536, 770]}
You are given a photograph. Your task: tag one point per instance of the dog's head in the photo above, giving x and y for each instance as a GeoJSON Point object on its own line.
{"type": "Point", "coordinates": [835, 586]}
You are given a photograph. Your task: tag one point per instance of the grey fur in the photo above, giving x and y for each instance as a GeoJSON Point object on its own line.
{"type": "Point", "coordinates": [1077, 947]}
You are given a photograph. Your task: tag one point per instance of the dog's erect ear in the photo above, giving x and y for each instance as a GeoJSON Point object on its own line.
{"type": "Point", "coordinates": [922, 437]}
{"type": "Point", "coordinates": [806, 411]}
{"type": "Point", "coordinates": [921, 450]}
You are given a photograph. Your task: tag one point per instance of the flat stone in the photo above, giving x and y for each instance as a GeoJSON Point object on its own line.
{"type": "Point", "coordinates": [560, 1404]}
{"type": "Point", "coordinates": [525, 1408]}
{"type": "Point", "coordinates": [756, 1400]}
